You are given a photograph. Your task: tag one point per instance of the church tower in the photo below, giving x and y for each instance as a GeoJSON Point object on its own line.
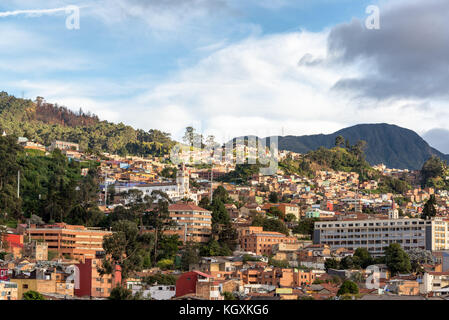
{"type": "Point", "coordinates": [182, 180]}
{"type": "Point", "coordinates": [393, 212]}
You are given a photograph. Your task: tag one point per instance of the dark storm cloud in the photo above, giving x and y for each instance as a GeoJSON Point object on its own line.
{"type": "Point", "coordinates": [408, 57]}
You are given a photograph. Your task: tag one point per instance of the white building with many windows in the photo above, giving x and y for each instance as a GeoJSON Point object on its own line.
{"type": "Point", "coordinates": [375, 234]}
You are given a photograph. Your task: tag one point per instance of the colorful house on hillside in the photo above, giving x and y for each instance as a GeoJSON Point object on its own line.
{"type": "Point", "coordinates": [199, 284]}
{"type": "Point", "coordinates": [91, 283]}
{"type": "Point", "coordinates": [4, 273]}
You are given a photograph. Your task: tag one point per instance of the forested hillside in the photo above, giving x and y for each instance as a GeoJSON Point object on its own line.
{"type": "Point", "coordinates": [44, 122]}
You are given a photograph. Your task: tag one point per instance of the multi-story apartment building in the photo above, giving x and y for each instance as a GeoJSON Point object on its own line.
{"type": "Point", "coordinates": [192, 222]}
{"type": "Point", "coordinates": [439, 234]}
{"type": "Point", "coordinates": [374, 234]}
{"type": "Point", "coordinates": [261, 242]}
{"type": "Point", "coordinates": [76, 242]}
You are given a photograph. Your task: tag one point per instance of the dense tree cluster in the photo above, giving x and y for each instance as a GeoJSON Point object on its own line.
{"type": "Point", "coordinates": [225, 239]}
{"type": "Point", "coordinates": [433, 173]}
{"type": "Point", "coordinates": [46, 122]}
{"type": "Point", "coordinates": [270, 224]}
{"type": "Point", "coordinates": [51, 187]}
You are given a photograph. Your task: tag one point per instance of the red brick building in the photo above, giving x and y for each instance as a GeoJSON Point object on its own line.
{"type": "Point", "coordinates": [92, 284]}
{"type": "Point", "coordinates": [188, 282]}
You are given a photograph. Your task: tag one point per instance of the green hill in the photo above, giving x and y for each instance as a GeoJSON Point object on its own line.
{"type": "Point", "coordinates": [44, 122]}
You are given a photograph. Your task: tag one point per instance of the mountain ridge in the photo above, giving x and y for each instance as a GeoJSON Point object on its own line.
{"type": "Point", "coordinates": [392, 145]}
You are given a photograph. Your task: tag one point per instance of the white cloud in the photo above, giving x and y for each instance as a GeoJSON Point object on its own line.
{"type": "Point", "coordinates": [257, 87]}
{"type": "Point", "coordinates": [32, 12]}
{"type": "Point", "coordinates": [251, 87]}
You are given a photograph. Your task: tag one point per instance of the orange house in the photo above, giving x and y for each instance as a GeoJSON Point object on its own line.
{"type": "Point", "coordinates": [261, 242]}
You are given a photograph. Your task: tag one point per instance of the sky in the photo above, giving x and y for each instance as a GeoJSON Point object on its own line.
{"type": "Point", "coordinates": [232, 67]}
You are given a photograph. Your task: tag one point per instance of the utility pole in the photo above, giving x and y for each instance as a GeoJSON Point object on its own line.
{"type": "Point", "coordinates": [18, 184]}
{"type": "Point", "coordinates": [105, 189]}
{"type": "Point", "coordinates": [211, 181]}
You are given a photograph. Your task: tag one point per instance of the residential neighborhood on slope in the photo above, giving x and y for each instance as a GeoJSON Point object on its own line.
{"type": "Point", "coordinates": [149, 229]}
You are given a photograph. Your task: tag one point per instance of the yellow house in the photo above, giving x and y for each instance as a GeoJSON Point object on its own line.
{"type": "Point", "coordinates": [41, 286]}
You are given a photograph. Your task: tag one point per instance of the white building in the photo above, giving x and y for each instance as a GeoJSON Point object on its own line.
{"type": "Point", "coordinates": [175, 190]}
{"type": "Point", "coordinates": [436, 282]}
{"type": "Point", "coordinates": [156, 292]}
{"type": "Point", "coordinates": [374, 234]}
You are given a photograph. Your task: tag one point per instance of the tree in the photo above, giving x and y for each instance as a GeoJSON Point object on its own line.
{"type": "Point", "coordinates": [348, 287]}
{"type": "Point", "coordinates": [419, 257]}
{"type": "Point", "coordinates": [9, 168]}
{"type": "Point", "coordinates": [276, 212]}
{"type": "Point", "coordinates": [364, 257]}
{"type": "Point", "coordinates": [358, 149]}
{"type": "Point", "coordinates": [219, 213]}
{"type": "Point", "coordinates": [339, 141]}
{"type": "Point", "coordinates": [290, 217]}
{"type": "Point", "coordinates": [220, 193]}
{"type": "Point", "coordinates": [159, 218]}
{"type": "Point", "coordinates": [270, 224]}
{"type": "Point", "coordinates": [331, 264]}
{"type": "Point", "coordinates": [168, 246]}
{"type": "Point", "coordinates": [229, 296]}
{"type": "Point", "coordinates": [169, 172]}
{"type": "Point", "coordinates": [165, 264]}
{"type": "Point", "coordinates": [228, 236]}
{"type": "Point", "coordinates": [396, 259]}
{"type": "Point", "coordinates": [273, 197]}
{"type": "Point", "coordinates": [122, 293]}
{"type": "Point", "coordinates": [214, 248]}
{"type": "Point", "coordinates": [125, 248]}
{"type": "Point", "coordinates": [429, 209]}
{"type": "Point", "coordinates": [160, 279]}
{"type": "Point", "coordinates": [189, 136]}
{"type": "Point", "coordinates": [431, 169]}
{"type": "Point", "coordinates": [189, 256]}
{"type": "Point", "coordinates": [33, 295]}
{"type": "Point", "coordinates": [305, 226]}
{"type": "Point", "coordinates": [349, 263]}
